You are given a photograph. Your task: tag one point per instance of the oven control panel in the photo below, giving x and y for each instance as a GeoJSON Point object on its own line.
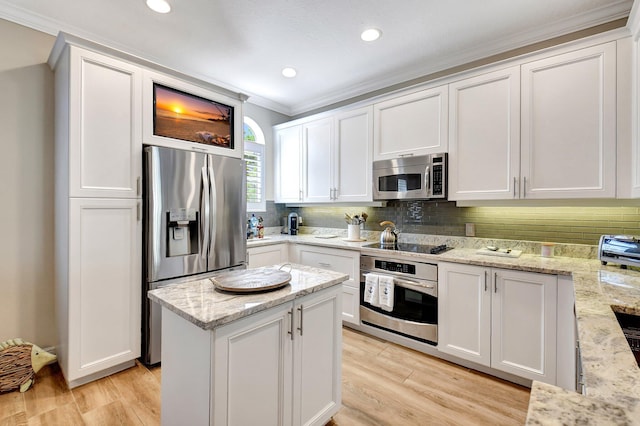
{"type": "Point", "coordinates": [403, 268]}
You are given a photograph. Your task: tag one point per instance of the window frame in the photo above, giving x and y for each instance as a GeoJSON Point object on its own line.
{"type": "Point", "coordinates": [259, 146]}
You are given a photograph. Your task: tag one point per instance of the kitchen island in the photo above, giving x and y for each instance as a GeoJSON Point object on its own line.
{"type": "Point", "coordinates": [260, 358]}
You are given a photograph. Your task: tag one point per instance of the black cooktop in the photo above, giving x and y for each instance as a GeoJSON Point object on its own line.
{"type": "Point", "coordinates": [413, 248]}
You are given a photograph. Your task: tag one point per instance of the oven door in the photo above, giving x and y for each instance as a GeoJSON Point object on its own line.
{"type": "Point", "coordinates": [414, 314]}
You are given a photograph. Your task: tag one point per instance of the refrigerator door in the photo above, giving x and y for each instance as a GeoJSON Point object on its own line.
{"type": "Point", "coordinates": [228, 243]}
{"type": "Point", "coordinates": [177, 196]}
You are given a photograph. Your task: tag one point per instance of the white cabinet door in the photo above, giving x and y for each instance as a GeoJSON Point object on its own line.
{"type": "Point", "coordinates": [523, 327]}
{"type": "Point", "coordinates": [104, 287]}
{"type": "Point", "coordinates": [484, 131]}
{"type": "Point", "coordinates": [351, 304]}
{"type": "Point", "coordinates": [317, 139]}
{"type": "Point", "coordinates": [104, 128]}
{"type": "Point", "coordinates": [317, 358]}
{"type": "Point", "coordinates": [464, 312]}
{"type": "Point", "coordinates": [288, 167]}
{"type": "Point", "coordinates": [569, 125]}
{"type": "Point", "coordinates": [266, 255]}
{"type": "Point", "coordinates": [413, 124]}
{"type": "Point", "coordinates": [253, 370]}
{"type": "Point", "coordinates": [352, 162]}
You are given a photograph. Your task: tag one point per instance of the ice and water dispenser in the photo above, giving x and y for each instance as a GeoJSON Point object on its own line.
{"type": "Point", "coordinates": [182, 232]}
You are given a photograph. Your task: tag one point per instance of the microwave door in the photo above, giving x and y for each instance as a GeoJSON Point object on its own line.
{"type": "Point", "coordinates": [227, 241]}
{"type": "Point", "coordinates": [174, 187]}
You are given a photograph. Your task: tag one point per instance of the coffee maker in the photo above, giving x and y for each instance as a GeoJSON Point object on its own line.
{"type": "Point", "coordinates": [292, 223]}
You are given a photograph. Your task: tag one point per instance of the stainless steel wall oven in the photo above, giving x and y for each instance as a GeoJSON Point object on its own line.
{"type": "Point", "coordinates": [415, 307]}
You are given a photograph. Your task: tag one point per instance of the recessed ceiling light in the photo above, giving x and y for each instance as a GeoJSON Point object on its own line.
{"type": "Point", "coordinates": [160, 6]}
{"type": "Point", "coordinates": [371, 34]}
{"type": "Point", "coordinates": [289, 72]}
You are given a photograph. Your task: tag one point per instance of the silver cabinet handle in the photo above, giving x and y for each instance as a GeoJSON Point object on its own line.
{"type": "Point", "coordinates": [325, 264]}
{"type": "Point", "coordinates": [524, 187]}
{"type": "Point", "coordinates": [495, 282]}
{"type": "Point", "coordinates": [515, 180]}
{"type": "Point", "coordinates": [139, 185]}
{"type": "Point", "coordinates": [406, 155]}
{"type": "Point", "coordinates": [300, 309]}
{"type": "Point", "coordinates": [486, 278]}
{"type": "Point", "coordinates": [300, 196]}
{"type": "Point", "coordinates": [335, 193]}
{"type": "Point", "coordinates": [139, 211]}
{"type": "Point", "coordinates": [290, 328]}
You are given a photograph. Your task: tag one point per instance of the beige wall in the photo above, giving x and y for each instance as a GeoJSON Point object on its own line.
{"type": "Point", "coordinates": [26, 186]}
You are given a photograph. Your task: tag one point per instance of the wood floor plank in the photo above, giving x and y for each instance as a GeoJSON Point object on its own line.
{"type": "Point", "coordinates": [17, 419]}
{"type": "Point", "coordinates": [95, 394]}
{"type": "Point", "coordinates": [113, 414]}
{"type": "Point", "coordinates": [140, 392]}
{"type": "Point", "coordinates": [66, 414]}
{"type": "Point", "coordinates": [49, 392]}
{"type": "Point", "coordinates": [11, 403]}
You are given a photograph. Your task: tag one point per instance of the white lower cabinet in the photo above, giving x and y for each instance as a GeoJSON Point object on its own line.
{"type": "Point", "coordinates": [281, 366]}
{"type": "Point", "coordinates": [98, 288]}
{"type": "Point", "coordinates": [345, 261]}
{"type": "Point", "coordinates": [266, 255]}
{"type": "Point", "coordinates": [502, 319]}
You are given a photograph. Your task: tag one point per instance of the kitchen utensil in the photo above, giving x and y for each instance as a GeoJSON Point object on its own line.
{"type": "Point", "coordinates": [348, 218]}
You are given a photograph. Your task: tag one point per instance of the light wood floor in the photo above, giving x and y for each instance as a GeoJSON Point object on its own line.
{"type": "Point", "coordinates": [383, 384]}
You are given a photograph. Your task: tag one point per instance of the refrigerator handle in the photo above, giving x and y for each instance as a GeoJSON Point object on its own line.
{"type": "Point", "coordinates": [213, 190]}
{"type": "Point", "coordinates": [204, 212]}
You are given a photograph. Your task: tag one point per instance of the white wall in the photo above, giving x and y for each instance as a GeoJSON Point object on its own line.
{"type": "Point", "coordinates": [26, 186]}
{"type": "Point", "coordinates": [266, 119]}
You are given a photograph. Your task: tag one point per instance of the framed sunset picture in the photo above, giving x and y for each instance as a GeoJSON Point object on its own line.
{"type": "Point", "coordinates": [184, 116]}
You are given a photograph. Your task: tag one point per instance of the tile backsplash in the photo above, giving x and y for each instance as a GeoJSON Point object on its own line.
{"type": "Point", "coordinates": [576, 225]}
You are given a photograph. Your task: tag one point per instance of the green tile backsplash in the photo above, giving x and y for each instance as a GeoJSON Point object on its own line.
{"type": "Point", "coordinates": [578, 225]}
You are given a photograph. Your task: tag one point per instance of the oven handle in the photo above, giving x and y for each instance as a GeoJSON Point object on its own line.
{"type": "Point", "coordinates": [426, 287]}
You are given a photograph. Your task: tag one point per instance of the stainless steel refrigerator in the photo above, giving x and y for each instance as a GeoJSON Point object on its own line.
{"type": "Point", "coordinates": [195, 213]}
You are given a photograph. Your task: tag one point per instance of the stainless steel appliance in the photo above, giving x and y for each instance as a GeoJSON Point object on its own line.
{"type": "Point", "coordinates": [292, 223]}
{"type": "Point", "coordinates": [415, 307]}
{"type": "Point", "coordinates": [621, 249]}
{"type": "Point", "coordinates": [423, 177]}
{"type": "Point", "coordinates": [194, 211]}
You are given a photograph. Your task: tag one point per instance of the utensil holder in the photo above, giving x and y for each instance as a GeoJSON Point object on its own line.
{"type": "Point", "coordinates": [353, 232]}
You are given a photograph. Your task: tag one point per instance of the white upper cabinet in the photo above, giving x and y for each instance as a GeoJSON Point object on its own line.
{"type": "Point", "coordinates": [323, 160]}
{"type": "Point", "coordinates": [353, 155]}
{"type": "Point", "coordinates": [288, 164]}
{"type": "Point", "coordinates": [542, 130]}
{"type": "Point", "coordinates": [102, 122]}
{"type": "Point", "coordinates": [569, 125]}
{"type": "Point", "coordinates": [484, 136]}
{"type": "Point", "coordinates": [410, 125]}
{"type": "Point", "coordinates": [317, 141]}
{"type": "Point", "coordinates": [193, 118]}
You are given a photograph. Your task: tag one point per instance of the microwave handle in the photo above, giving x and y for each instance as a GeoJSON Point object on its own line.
{"type": "Point", "coordinates": [427, 180]}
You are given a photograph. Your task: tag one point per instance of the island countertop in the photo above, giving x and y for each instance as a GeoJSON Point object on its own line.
{"type": "Point", "coordinates": [201, 304]}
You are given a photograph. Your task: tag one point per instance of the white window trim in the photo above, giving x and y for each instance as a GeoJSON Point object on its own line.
{"type": "Point", "coordinates": [257, 146]}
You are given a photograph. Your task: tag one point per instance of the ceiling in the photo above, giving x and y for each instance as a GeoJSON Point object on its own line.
{"type": "Point", "coordinates": [243, 45]}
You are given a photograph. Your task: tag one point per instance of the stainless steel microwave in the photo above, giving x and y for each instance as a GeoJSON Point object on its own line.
{"type": "Point", "coordinates": [420, 178]}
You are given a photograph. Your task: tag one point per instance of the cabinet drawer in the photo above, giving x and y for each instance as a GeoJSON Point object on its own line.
{"type": "Point", "coordinates": [345, 261]}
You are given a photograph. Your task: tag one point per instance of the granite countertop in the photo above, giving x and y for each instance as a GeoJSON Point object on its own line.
{"type": "Point", "coordinates": [201, 304]}
{"type": "Point", "coordinates": [611, 374]}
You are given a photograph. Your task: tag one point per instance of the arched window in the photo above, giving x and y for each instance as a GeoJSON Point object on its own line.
{"type": "Point", "coordinates": [254, 154]}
